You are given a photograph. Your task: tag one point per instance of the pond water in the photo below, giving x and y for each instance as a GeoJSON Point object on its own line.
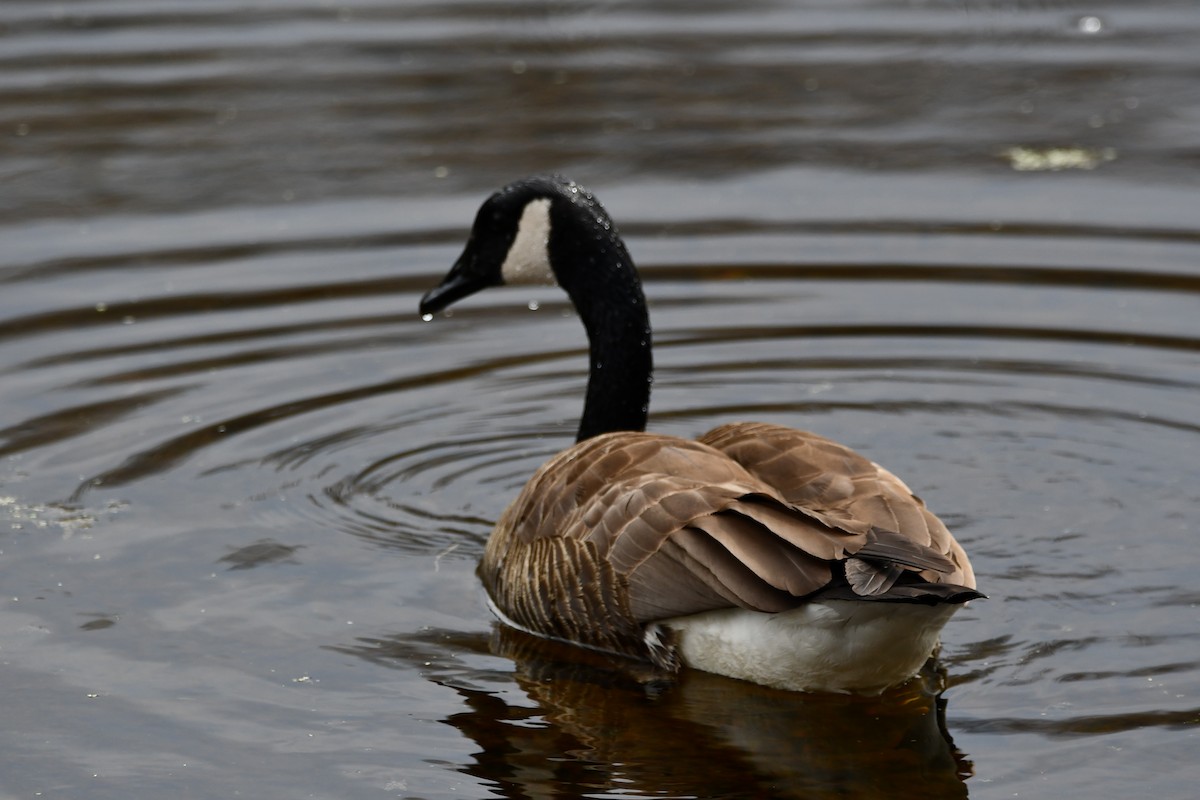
{"type": "Point", "coordinates": [243, 486]}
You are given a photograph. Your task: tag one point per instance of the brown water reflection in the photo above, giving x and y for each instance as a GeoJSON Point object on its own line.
{"type": "Point", "coordinates": [598, 726]}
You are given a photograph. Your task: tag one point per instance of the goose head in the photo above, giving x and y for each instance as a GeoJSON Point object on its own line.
{"type": "Point", "coordinates": [541, 230]}
{"type": "Point", "coordinates": [550, 230]}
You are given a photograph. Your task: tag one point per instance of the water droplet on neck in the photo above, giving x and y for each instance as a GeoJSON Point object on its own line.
{"type": "Point", "coordinates": [427, 317]}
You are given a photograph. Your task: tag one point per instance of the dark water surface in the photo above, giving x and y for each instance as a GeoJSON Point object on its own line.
{"type": "Point", "coordinates": [243, 486]}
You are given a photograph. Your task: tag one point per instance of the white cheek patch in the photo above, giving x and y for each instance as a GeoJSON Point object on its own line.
{"type": "Point", "coordinates": [528, 260]}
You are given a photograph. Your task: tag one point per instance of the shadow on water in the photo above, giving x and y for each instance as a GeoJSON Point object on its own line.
{"type": "Point", "coordinates": [601, 724]}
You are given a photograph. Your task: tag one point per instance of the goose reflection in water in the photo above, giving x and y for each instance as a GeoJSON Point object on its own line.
{"type": "Point", "coordinates": [603, 724]}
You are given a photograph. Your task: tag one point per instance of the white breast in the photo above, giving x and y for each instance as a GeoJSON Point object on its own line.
{"type": "Point", "coordinates": [832, 646]}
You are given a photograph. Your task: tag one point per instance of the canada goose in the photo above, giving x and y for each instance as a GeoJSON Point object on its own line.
{"type": "Point", "coordinates": [757, 551]}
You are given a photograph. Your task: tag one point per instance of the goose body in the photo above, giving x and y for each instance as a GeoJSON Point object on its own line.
{"type": "Point", "coordinates": [756, 551]}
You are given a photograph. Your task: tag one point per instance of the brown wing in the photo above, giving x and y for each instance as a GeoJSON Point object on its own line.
{"type": "Point", "coordinates": [845, 490]}
{"type": "Point", "coordinates": [629, 528]}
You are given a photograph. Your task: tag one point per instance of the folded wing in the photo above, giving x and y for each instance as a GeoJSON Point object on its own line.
{"type": "Point", "coordinates": [630, 528]}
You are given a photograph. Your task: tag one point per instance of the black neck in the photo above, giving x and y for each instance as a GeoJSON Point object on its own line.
{"type": "Point", "coordinates": [618, 392]}
{"type": "Point", "coordinates": [607, 293]}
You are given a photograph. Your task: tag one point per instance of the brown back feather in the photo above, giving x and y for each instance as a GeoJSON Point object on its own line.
{"type": "Point", "coordinates": [841, 488]}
